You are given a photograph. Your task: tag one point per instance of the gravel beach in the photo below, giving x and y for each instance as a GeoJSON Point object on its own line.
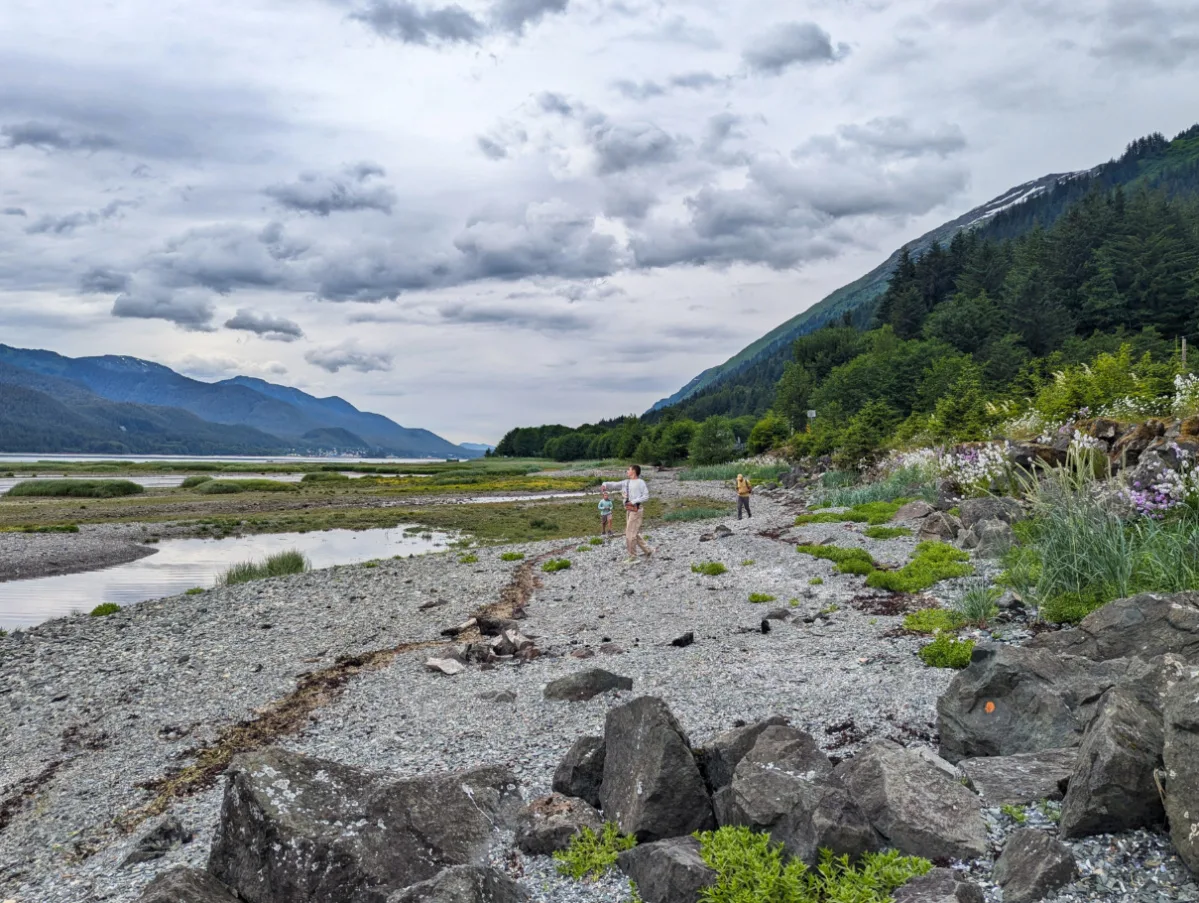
{"type": "Point", "coordinates": [94, 708]}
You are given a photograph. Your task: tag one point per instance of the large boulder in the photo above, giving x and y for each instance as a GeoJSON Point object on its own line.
{"type": "Point", "coordinates": [1142, 626]}
{"type": "Point", "coordinates": [1014, 699]}
{"type": "Point", "coordinates": [548, 824]}
{"type": "Point", "coordinates": [581, 770]}
{"type": "Point", "coordinates": [786, 786]}
{"type": "Point", "coordinates": [1112, 788]}
{"type": "Point", "coordinates": [668, 871]}
{"type": "Point", "coordinates": [1022, 778]}
{"type": "Point", "coordinates": [939, 526]}
{"type": "Point", "coordinates": [977, 511]}
{"type": "Point", "coordinates": [185, 885]}
{"type": "Point", "coordinates": [584, 685]}
{"type": "Point", "coordinates": [915, 510]}
{"type": "Point", "coordinates": [916, 807]}
{"type": "Point", "coordinates": [1181, 758]}
{"type": "Point", "coordinates": [718, 759]}
{"type": "Point", "coordinates": [464, 884]}
{"type": "Point", "coordinates": [939, 886]}
{"type": "Point", "coordinates": [1032, 866]}
{"type": "Point", "coordinates": [989, 539]}
{"type": "Point", "coordinates": [652, 786]}
{"type": "Point", "coordinates": [295, 829]}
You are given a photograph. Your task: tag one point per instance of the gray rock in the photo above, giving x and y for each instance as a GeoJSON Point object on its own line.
{"type": "Point", "coordinates": [718, 760]}
{"type": "Point", "coordinates": [448, 666]}
{"type": "Point", "coordinates": [1181, 756]}
{"type": "Point", "coordinates": [1014, 699]}
{"type": "Point", "coordinates": [939, 886]}
{"type": "Point", "coordinates": [584, 685]}
{"type": "Point", "coordinates": [581, 770]}
{"type": "Point", "coordinates": [296, 828]}
{"type": "Point", "coordinates": [186, 885]}
{"type": "Point", "coordinates": [548, 824]}
{"type": "Point", "coordinates": [464, 884]}
{"type": "Point", "coordinates": [976, 511]}
{"type": "Point", "coordinates": [916, 510]}
{"type": "Point", "coordinates": [939, 526]}
{"type": "Point", "coordinates": [668, 871]}
{"type": "Point", "coordinates": [785, 785]}
{"type": "Point", "coordinates": [652, 786]}
{"type": "Point", "coordinates": [158, 841]}
{"type": "Point", "coordinates": [1142, 626]}
{"type": "Point", "coordinates": [1022, 778]}
{"type": "Point", "coordinates": [916, 808]}
{"type": "Point", "coordinates": [1112, 788]}
{"type": "Point", "coordinates": [993, 538]}
{"type": "Point", "coordinates": [1032, 866]}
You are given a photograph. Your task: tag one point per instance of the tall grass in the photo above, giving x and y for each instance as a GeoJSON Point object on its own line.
{"type": "Point", "coordinates": [277, 565]}
{"type": "Point", "coordinates": [76, 489]}
{"type": "Point", "coordinates": [907, 482]}
{"type": "Point", "coordinates": [232, 487]}
{"type": "Point", "coordinates": [755, 472]}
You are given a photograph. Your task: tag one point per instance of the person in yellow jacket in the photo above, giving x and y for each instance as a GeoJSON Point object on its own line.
{"type": "Point", "coordinates": [744, 489]}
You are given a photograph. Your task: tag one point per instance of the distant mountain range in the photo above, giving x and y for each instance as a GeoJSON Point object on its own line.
{"type": "Point", "coordinates": [1151, 162]}
{"type": "Point", "coordinates": [124, 405]}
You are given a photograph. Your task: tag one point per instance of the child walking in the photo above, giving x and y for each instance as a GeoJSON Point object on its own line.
{"type": "Point", "coordinates": [605, 510]}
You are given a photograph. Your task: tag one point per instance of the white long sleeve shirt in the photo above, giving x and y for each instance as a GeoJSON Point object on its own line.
{"type": "Point", "coordinates": [635, 491]}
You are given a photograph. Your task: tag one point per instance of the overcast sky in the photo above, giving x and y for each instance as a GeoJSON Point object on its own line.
{"type": "Point", "coordinates": [505, 212]}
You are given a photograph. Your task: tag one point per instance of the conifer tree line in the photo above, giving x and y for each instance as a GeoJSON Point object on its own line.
{"type": "Point", "coordinates": [963, 333]}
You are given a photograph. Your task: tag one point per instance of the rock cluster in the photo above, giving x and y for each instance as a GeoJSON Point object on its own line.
{"type": "Point", "coordinates": [985, 525]}
{"type": "Point", "coordinates": [1105, 717]}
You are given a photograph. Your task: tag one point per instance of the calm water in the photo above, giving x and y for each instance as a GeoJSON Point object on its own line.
{"type": "Point", "coordinates": [159, 481]}
{"type": "Point", "coordinates": [181, 564]}
{"type": "Point", "coordinates": [282, 459]}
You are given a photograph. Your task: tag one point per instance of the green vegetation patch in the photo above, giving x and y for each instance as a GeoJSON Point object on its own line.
{"type": "Point", "coordinates": [933, 562]}
{"type": "Point", "coordinates": [469, 558]}
{"type": "Point", "coordinates": [512, 556]}
{"type": "Point", "coordinates": [75, 489]}
{"type": "Point", "coordinates": [815, 581]}
{"type": "Point", "coordinates": [194, 591]}
{"type": "Point", "coordinates": [933, 621]}
{"type": "Point", "coordinates": [596, 541]}
{"type": "Point", "coordinates": [906, 482]}
{"type": "Point", "coordinates": [556, 564]}
{"type": "Point", "coordinates": [947, 652]}
{"type": "Point", "coordinates": [104, 609]}
{"type": "Point", "coordinates": [686, 515]}
{"type": "Point", "coordinates": [760, 598]}
{"type": "Point", "coordinates": [193, 482]}
{"type": "Point", "coordinates": [277, 565]}
{"type": "Point", "coordinates": [1015, 813]}
{"type": "Point", "coordinates": [232, 487]}
{"type": "Point", "coordinates": [750, 868]}
{"type": "Point", "coordinates": [886, 532]}
{"type": "Point", "coordinates": [324, 476]}
{"type": "Point", "coordinates": [709, 569]}
{"type": "Point", "coordinates": [848, 561]}
{"type": "Point", "coordinates": [591, 855]}
{"type": "Point", "coordinates": [755, 473]}
{"type": "Point", "coordinates": [874, 513]}
{"type": "Point", "coordinates": [977, 605]}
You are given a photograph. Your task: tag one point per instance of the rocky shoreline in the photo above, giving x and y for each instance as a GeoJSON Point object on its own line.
{"type": "Point", "coordinates": [97, 710]}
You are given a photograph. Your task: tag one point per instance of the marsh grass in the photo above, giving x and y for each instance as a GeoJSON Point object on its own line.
{"type": "Point", "coordinates": [756, 473]}
{"type": "Point", "coordinates": [193, 482]}
{"type": "Point", "coordinates": [75, 489]}
{"type": "Point", "coordinates": [907, 482]}
{"type": "Point", "coordinates": [233, 487]}
{"type": "Point", "coordinates": [277, 565]}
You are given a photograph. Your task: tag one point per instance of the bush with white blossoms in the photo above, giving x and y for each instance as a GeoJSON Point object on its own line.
{"type": "Point", "coordinates": [1186, 395]}
{"type": "Point", "coordinates": [977, 468]}
{"type": "Point", "coordinates": [1164, 489]}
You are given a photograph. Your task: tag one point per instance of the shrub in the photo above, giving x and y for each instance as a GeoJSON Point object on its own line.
{"type": "Point", "coordinates": [591, 855]}
{"type": "Point", "coordinates": [555, 564]}
{"type": "Point", "coordinates": [277, 565]}
{"type": "Point", "coordinates": [194, 591]}
{"type": "Point", "coordinates": [104, 609]}
{"type": "Point", "coordinates": [848, 561]}
{"type": "Point", "coordinates": [512, 556]}
{"type": "Point", "coordinates": [709, 569]}
{"type": "Point", "coordinates": [232, 487]}
{"type": "Point", "coordinates": [193, 482]}
{"type": "Point", "coordinates": [977, 604]}
{"type": "Point", "coordinates": [596, 541]}
{"type": "Point", "coordinates": [750, 868]}
{"type": "Point", "coordinates": [759, 598]}
{"type": "Point", "coordinates": [75, 489]}
{"type": "Point", "coordinates": [324, 476]}
{"type": "Point", "coordinates": [933, 562]}
{"type": "Point", "coordinates": [469, 558]}
{"type": "Point", "coordinates": [886, 532]}
{"type": "Point", "coordinates": [933, 621]}
{"type": "Point", "coordinates": [714, 442]}
{"type": "Point", "coordinates": [946, 652]}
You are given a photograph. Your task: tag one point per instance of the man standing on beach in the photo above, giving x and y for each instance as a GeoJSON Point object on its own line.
{"type": "Point", "coordinates": [636, 494]}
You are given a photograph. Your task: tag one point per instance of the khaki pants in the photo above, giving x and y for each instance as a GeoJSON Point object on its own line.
{"type": "Point", "coordinates": [632, 527]}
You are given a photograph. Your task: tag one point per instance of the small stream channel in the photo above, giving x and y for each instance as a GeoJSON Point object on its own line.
{"type": "Point", "coordinates": [181, 564]}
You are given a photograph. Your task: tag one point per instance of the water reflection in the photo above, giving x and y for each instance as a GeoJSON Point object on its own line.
{"type": "Point", "coordinates": [181, 564]}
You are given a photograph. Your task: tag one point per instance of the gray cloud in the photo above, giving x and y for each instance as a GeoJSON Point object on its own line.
{"type": "Point", "coordinates": [678, 30]}
{"type": "Point", "coordinates": [620, 147]}
{"type": "Point", "coordinates": [348, 355]}
{"type": "Point", "coordinates": [186, 309]}
{"type": "Point", "coordinates": [789, 44]}
{"type": "Point", "coordinates": [514, 15]}
{"type": "Point", "coordinates": [14, 211]}
{"type": "Point", "coordinates": [403, 21]}
{"type": "Point", "coordinates": [897, 136]}
{"type": "Point", "coordinates": [1157, 34]}
{"type": "Point", "coordinates": [223, 258]}
{"type": "Point", "coordinates": [537, 321]}
{"type": "Point", "coordinates": [644, 90]}
{"type": "Point", "coordinates": [68, 223]}
{"type": "Point", "coordinates": [555, 103]}
{"type": "Point", "coordinates": [491, 148]}
{"type": "Point", "coordinates": [325, 194]}
{"type": "Point", "coordinates": [268, 326]}
{"type": "Point", "coordinates": [44, 136]}
{"type": "Point", "coordinates": [103, 281]}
